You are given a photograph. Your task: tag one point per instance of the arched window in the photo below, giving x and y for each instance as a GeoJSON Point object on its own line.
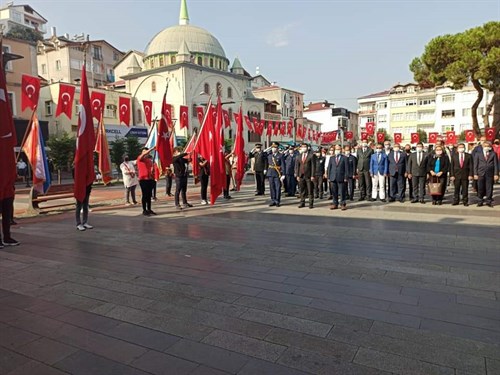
{"type": "Point", "coordinates": [139, 116]}
{"type": "Point", "coordinates": [219, 89]}
{"type": "Point", "coordinates": [153, 86]}
{"type": "Point", "coordinates": [206, 89]}
{"type": "Point", "coordinates": [162, 61]}
{"type": "Point", "coordinates": [172, 60]}
{"type": "Point", "coordinates": [200, 60]}
{"type": "Point", "coordinates": [229, 92]}
{"type": "Point", "coordinates": [211, 62]}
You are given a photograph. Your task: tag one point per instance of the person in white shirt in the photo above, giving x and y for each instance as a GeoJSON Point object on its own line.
{"type": "Point", "coordinates": [22, 170]}
{"type": "Point", "coordinates": [130, 180]}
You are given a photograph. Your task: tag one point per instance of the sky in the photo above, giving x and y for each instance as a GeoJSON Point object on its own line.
{"type": "Point", "coordinates": [335, 50]}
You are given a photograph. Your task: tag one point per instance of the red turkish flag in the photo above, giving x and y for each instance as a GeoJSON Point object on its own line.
{"type": "Point", "coordinates": [269, 131]}
{"type": "Point", "coordinates": [262, 126]}
{"type": "Point", "coordinates": [276, 128]}
{"type": "Point", "coordinates": [451, 138]}
{"type": "Point", "coordinates": [148, 111]}
{"type": "Point", "coordinates": [490, 134]}
{"type": "Point", "coordinates": [200, 114]}
{"type": "Point", "coordinates": [227, 120]}
{"type": "Point", "coordinates": [398, 137]}
{"type": "Point", "coordinates": [124, 109]}
{"type": "Point", "coordinates": [97, 100]}
{"type": "Point", "coordinates": [8, 141]}
{"type": "Point", "coordinates": [370, 128]}
{"type": "Point", "coordinates": [163, 145]}
{"type": "Point", "coordinates": [65, 101]}
{"type": "Point", "coordinates": [470, 137]}
{"type": "Point", "coordinates": [184, 116]}
{"type": "Point", "coordinates": [249, 123]}
{"type": "Point", "coordinates": [349, 135]}
{"type": "Point", "coordinates": [364, 136]}
{"type": "Point", "coordinates": [433, 137]}
{"type": "Point", "coordinates": [283, 128]}
{"type": "Point", "coordinates": [217, 160]}
{"type": "Point", "coordinates": [380, 137]}
{"type": "Point", "coordinates": [206, 134]}
{"type": "Point", "coordinates": [30, 92]}
{"type": "Point", "coordinates": [415, 137]}
{"type": "Point", "coordinates": [102, 148]}
{"type": "Point", "coordinates": [167, 113]}
{"type": "Point", "coordinates": [300, 132]}
{"type": "Point", "coordinates": [239, 149]}
{"type": "Point", "coordinates": [290, 127]}
{"type": "Point", "coordinates": [85, 143]}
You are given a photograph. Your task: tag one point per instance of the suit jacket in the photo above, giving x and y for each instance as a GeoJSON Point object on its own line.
{"type": "Point", "coordinates": [338, 172]}
{"type": "Point", "coordinates": [485, 167]}
{"type": "Point", "coordinates": [444, 164]}
{"type": "Point", "coordinates": [275, 163]}
{"type": "Point", "coordinates": [289, 168]}
{"type": "Point", "coordinates": [364, 159]}
{"type": "Point", "coordinates": [353, 165]}
{"type": "Point", "coordinates": [400, 166]}
{"type": "Point", "coordinates": [461, 173]}
{"type": "Point", "coordinates": [260, 161]}
{"type": "Point", "coordinates": [413, 168]}
{"type": "Point", "coordinates": [320, 166]}
{"type": "Point", "coordinates": [305, 169]}
{"type": "Point", "coordinates": [377, 166]}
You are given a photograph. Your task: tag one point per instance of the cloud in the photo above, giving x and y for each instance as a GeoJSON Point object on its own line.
{"type": "Point", "coordinates": [279, 36]}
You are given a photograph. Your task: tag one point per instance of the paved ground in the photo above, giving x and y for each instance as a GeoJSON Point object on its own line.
{"type": "Point", "coordinates": [242, 288]}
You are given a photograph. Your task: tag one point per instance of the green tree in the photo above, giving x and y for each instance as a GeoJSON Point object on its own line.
{"type": "Point", "coordinates": [62, 152]}
{"type": "Point", "coordinates": [133, 147]}
{"type": "Point", "coordinates": [118, 148]}
{"type": "Point", "coordinates": [422, 135]}
{"type": "Point", "coordinates": [461, 137]}
{"type": "Point", "coordinates": [24, 33]}
{"type": "Point", "coordinates": [472, 56]}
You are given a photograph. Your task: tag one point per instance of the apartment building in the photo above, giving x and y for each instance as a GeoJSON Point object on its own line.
{"type": "Point", "coordinates": [25, 16]}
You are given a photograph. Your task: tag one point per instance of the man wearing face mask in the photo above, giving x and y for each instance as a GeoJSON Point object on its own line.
{"type": "Point", "coordinates": [379, 168]}
{"type": "Point", "coordinates": [338, 172]}
{"type": "Point", "coordinates": [274, 175]}
{"type": "Point", "coordinates": [326, 185]}
{"type": "Point", "coordinates": [290, 180]}
{"type": "Point", "coordinates": [305, 167]}
{"type": "Point", "coordinates": [318, 174]}
{"type": "Point", "coordinates": [485, 173]}
{"type": "Point", "coordinates": [364, 155]}
{"type": "Point", "coordinates": [407, 181]}
{"type": "Point", "coordinates": [259, 167]}
{"type": "Point", "coordinates": [397, 173]}
{"type": "Point", "coordinates": [461, 173]}
{"type": "Point", "coordinates": [417, 173]}
{"type": "Point", "coordinates": [387, 151]}
{"type": "Point", "coordinates": [351, 177]}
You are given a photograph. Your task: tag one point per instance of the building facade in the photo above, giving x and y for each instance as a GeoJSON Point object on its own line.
{"type": "Point", "coordinates": [12, 16]}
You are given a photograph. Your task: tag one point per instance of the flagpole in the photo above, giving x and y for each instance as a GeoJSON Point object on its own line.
{"type": "Point", "coordinates": [28, 129]}
{"type": "Point", "coordinates": [209, 104]}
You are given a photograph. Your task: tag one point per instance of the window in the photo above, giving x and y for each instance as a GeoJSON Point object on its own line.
{"type": "Point", "coordinates": [397, 116]}
{"type": "Point", "coordinates": [427, 101]}
{"type": "Point", "coordinates": [97, 52]}
{"type": "Point", "coordinates": [58, 65]}
{"type": "Point", "coordinates": [211, 62]}
{"type": "Point", "coordinates": [410, 89]}
{"type": "Point", "coordinates": [370, 119]}
{"type": "Point", "coordinates": [466, 112]}
{"type": "Point", "coordinates": [229, 92]}
{"type": "Point", "coordinates": [139, 115]}
{"type": "Point", "coordinates": [153, 86]}
{"type": "Point", "coordinates": [115, 56]}
{"type": "Point", "coordinates": [6, 49]}
{"type": "Point", "coordinates": [110, 111]}
{"type": "Point", "coordinates": [411, 116]}
{"type": "Point", "coordinates": [382, 105]}
{"type": "Point", "coordinates": [382, 118]}
{"type": "Point", "coordinates": [219, 89]}
{"type": "Point", "coordinates": [48, 108]}
{"type": "Point", "coordinates": [12, 103]}
{"type": "Point", "coordinates": [97, 68]}
{"type": "Point", "coordinates": [161, 60]}
{"type": "Point", "coordinates": [200, 60]}
{"type": "Point", "coordinates": [172, 60]}
{"type": "Point", "coordinates": [44, 68]}
{"type": "Point", "coordinates": [480, 111]}
{"type": "Point", "coordinates": [449, 113]}
{"type": "Point", "coordinates": [448, 128]}
{"type": "Point", "coordinates": [77, 107]}
{"type": "Point", "coordinates": [448, 98]}
{"type": "Point", "coordinates": [410, 102]}
{"type": "Point", "coordinates": [206, 89]}
{"type": "Point", "coordinates": [426, 116]}
{"type": "Point", "coordinates": [398, 103]}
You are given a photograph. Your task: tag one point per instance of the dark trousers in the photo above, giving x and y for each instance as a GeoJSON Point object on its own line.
{"type": "Point", "coordinates": [338, 189]}
{"type": "Point", "coordinates": [318, 186]}
{"type": "Point", "coordinates": [418, 187]}
{"type": "Point", "coordinates": [326, 185]}
{"type": "Point", "coordinates": [306, 188]}
{"type": "Point", "coordinates": [168, 185]}
{"type": "Point", "coordinates": [397, 186]}
{"type": "Point", "coordinates": [181, 184]}
{"type": "Point", "coordinates": [83, 207]}
{"type": "Point", "coordinates": [291, 184]}
{"type": "Point", "coordinates": [485, 188]}
{"type": "Point", "coordinates": [204, 187]}
{"type": "Point", "coordinates": [147, 193]}
{"type": "Point", "coordinates": [461, 186]}
{"type": "Point", "coordinates": [350, 187]}
{"type": "Point", "coordinates": [130, 191]}
{"type": "Point", "coordinates": [275, 189]}
{"type": "Point", "coordinates": [365, 184]}
{"type": "Point", "coordinates": [407, 183]}
{"type": "Point", "coordinates": [154, 189]}
{"type": "Point", "coordinates": [226, 189]}
{"type": "Point", "coordinates": [259, 183]}
{"type": "Point", "coordinates": [7, 210]}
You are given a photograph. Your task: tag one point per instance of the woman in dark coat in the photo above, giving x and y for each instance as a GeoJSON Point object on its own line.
{"type": "Point", "coordinates": [438, 166]}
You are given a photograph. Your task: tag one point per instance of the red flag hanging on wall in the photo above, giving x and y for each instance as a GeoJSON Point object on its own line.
{"type": "Point", "coordinates": [30, 92]}
{"type": "Point", "coordinates": [433, 137]}
{"type": "Point", "coordinates": [349, 135]}
{"type": "Point", "coordinates": [184, 116]}
{"type": "Point", "coordinates": [262, 125]}
{"type": "Point", "coordinates": [276, 128]}
{"type": "Point", "coordinates": [239, 149]}
{"type": "Point", "coordinates": [370, 128]}
{"type": "Point", "coordinates": [283, 128]}
{"type": "Point", "coordinates": [124, 108]}
{"type": "Point", "coordinates": [490, 134]}
{"type": "Point", "coordinates": [200, 113]}
{"type": "Point", "coordinates": [269, 131]}
{"type": "Point", "coordinates": [470, 137]}
{"type": "Point", "coordinates": [148, 111]}
{"type": "Point", "coordinates": [289, 129]}
{"type": "Point", "coordinates": [97, 100]}
{"type": "Point", "coordinates": [65, 101]}
{"type": "Point", "coordinates": [380, 137]}
{"type": "Point", "coordinates": [415, 137]}
{"type": "Point", "coordinates": [451, 138]}
{"type": "Point", "coordinates": [398, 137]}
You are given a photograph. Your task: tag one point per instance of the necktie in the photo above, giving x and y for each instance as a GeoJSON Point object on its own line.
{"type": "Point", "coordinates": [304, 156]}
{"type": "Point", "coordinates": [378, 158]}
{"type": "Point", "coordinates": [461, 160]}
{"type": "Point", "coordinates": [397, 157]}
{"type": "Point", "coordinates": [487, 153]}
{"type": "Point", "coordinates": [337, 160]}
{"type": "Point", "coordinates": [419, 157]}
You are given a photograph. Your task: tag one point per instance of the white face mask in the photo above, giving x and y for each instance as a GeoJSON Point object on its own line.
{"type": "Point", "coordinates": [347, 152]}
{"type": "Point", "coordinates": [290, 152]}
{"type": "Point", "coordinates": [396, 149]}
{"type": "Point", "coordinates": [303, 150]}
{"type": "Point", "coordinates": [387, 147]}
{"type": "Point", "coordinates": [439, 152]}
{"type": "Point", "coordinates": [378, 150]}
{"type": "Point", "coordinates": [364, 145]}
{"type": "Point", "coordinates": [274, 149]}
{"type": "Point", "coordinates": [419, 149]}
{"type": "Point", "coordinates": [487, 149]}
{"type": "Point", "coordinates": [337, 152]}
{"type": "Point", "coordinates": [461, 150]}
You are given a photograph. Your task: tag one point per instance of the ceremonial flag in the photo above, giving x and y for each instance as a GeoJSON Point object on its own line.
{"type": "Point", "coordinates": [148, 111]}
{"type": "Point", "coordinates": [290, 127]}
{"type": "Point", "coordinates": [276, 128]}
{"type": "Point", "coordinates": [102, 148]}
{"type": "Point", "coordinates": [65, 101]}
{"type": "Point", "coordinates": [189, 149]}
{"type": "Point", "coordinates": [329, 137]}
{"type": "Point", "coordinates": [380, 137]}
{"type": "Point", "coordinates": [202, 145]}
{"type": "Point", "coordinates": [124, 104]}
{"type": "Point", "coordinates": [30, 92]}
{"type": "Point", "coordinates": [227, 120]}
{"type": "Point", "coordinates": [349, 135]}
{"type": "Point", "coordinates": [364, 136]}
{"type": "Point", "coordinates": [166, 112]}
{"type": "Point", "coordinates": [269, 131]}
{"type": "Point", "coordinates": [97, 99]}
{"type": "Point", "coordinates": [300, 133]}
{"type": "Point", "coordinates": [451, 138]}
{"type": "Point", "coordinates": [262, 124]}
{"type": "Point", "coordinates": [433, 137]}
{"type": "Point", "coordinates": [490, 134]}
{"type": "Point", "coordinates": [239, 149]}
{"type": "Point", "coordinates": [470, 137]}
{"type": "Point", "coordinates": [163, 146]}
{"type": "Point", "coordinates": [398, 137]}
{"type": "Point", "coordinates": [200, 115]}
{"type": "Point", "coordinates": [217, 161]}
{"type": "Point", "coordinates": [184, 117]}
{"type": "Point", "coordinates": [415, 137]}
{"type": "Point", "coordinates": [249, 124]}
{"type": "Point", "coordinates": [283, 128]}
{"type": "Point", "coordinates": [85, 142]}
{"type": "Point", "coordinates": [370, 128]}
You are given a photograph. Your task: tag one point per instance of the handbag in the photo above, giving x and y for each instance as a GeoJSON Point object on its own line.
{"type": "Point", "coordinates": [435, 186]}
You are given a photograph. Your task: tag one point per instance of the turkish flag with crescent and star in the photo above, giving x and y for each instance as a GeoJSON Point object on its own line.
{"type": "Point", "coordinates": [124, 109]}
{"type": "Point", "coordinates": [380, 137]}
{"type": "Point", "coordinates": [200, 114]}
{"type": "Point", "coordinates": [349, 135]}
{"type": "Point", "coordinates": [276, 128]}
{"type": "Point", "coordinates": [398, 137]}
{"type": "Point", "coordinates": [227, 120]}
{"type": "Point", "coordinates": [184, 116]}
{"type": "Point", "coordinates": [167, 113]}
{"type": "Point", "coordinates": [30, 92]}
{"type": "Point", "coordinates": [97, 100]}
{"type": "Point", "coordinates": [262, 125]}
{"type": "Point", "coordinates": [148, 112]}
{"type": "Point", "coordinates": [451, 138]}
{"type": "Point", "coordinates": [433, 137]}
{"type": "Point", "coordinates": [370, 128]}
{"type": "Point", "coordinates": [163, 145]}
{"type": "Point", "coordinates": [415, 138]}
{"type": "Point", "coordinates": [249, 124]}
{"type": "Point", "coordinates": [269, 128]}
{"type": "Point", "coordinates": [490, 134]}
{"type": "Point", "coordinates": [470, 137]}
{"type": "Point", "coordinates": [289, 127]}
{"type": "Point", "coordinates": [85, 143]}
{"type": "Point", "coordinates": [65, 101]}
{"type": "Point", "coordinates": [8, 140]}
{"type": "Point", "coordinates": [283, 128]}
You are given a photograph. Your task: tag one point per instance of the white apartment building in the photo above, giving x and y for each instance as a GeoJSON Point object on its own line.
{"type": "Point", "coordinates": [12, 15]}
{"type": "Point", "coordinates": [374, 108]}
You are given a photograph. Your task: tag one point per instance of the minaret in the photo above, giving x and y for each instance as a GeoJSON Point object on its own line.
{"type": "Point", "coordinates": [184, 16]}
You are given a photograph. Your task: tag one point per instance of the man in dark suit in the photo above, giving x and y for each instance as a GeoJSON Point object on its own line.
{"type": "Point", "coordinates": [289, 172]}
{"type": "Point", "coordinates": [417, 172]}
{"type": "Point", "coordinates": [460, 174]}
{"type": "Point", "coordinates": [337, 173]}
{"type": "Point", "coordinates": [351, 177]}
{"type": "Point", "coordinates": [397, 173]}
{"type": "Point", "coordinates": [485, 173]}
{"type": "Point", "coordinates": [407, 180]}
{"type": "Point", "coordinates": [259, 167]}
{"type": "Point", "coordinates": [274, 174]}
{"type": "Point", "coordinates": [364, 155]}
{"type": "Point", "coordinates": [319, 173]}
{"type": "Point", "coordinates": [305, 166]}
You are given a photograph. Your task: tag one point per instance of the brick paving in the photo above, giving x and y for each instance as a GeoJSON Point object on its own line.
{"type": "Point", "coordinates": [241, 288]}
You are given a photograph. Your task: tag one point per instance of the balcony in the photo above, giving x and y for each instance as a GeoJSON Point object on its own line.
{"type": "Point", "coordinates": [367, 112]}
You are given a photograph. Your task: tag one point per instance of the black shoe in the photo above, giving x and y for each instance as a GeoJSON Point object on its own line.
{"type": "Point", "coordinates": [466, 204]}
{"type": "Point", "coordinates": [414, 200]}
{"type": "Point", "coordinates": [433, 203]}
{"type": "Point", "coordinates": [146, 213]}
{"type": "Point", "coordinates": [232, 190]}
{"type": "Point", "coordinates": [480, 204]}
{"type": "Point", "coordinates": [383, 200]}
{"type": "Point", "coordinates": [151, 212]}
{"type": "Point", "coordinates": [343, 207]}
{"type": "Point", "coordinates": [490, 204]}
{"type": "Point", "coordinates": [302, 205]}
{"type": "Point", "coordinates": [401, 201]}
{"type": "Point", "coordinates": [362, 199]}
{"type": "Point", "coordinates": [188, 205]}
{"type": "Point", "coordinates": [440, 203]}
{"type": "Point", "coordinates": [321, 197]}
{"type": "Point", "coordinates": [330, 197]}
{"type": "Point", "coordinates": [12, 222]}
{"type": "Point", "coordinates": [272, 204]}
{"type": "Point", "coordinates": [178, 208]}
{"type": "Point", "coordinates": [454, 204]}
{"type": "Point", "coordinates": [10, 242]}
{"type": "Point", "coordinates": [351, 199]}
{"type": "Point", "coordinates": [311, 206]}
{"type": "Point", "coordinates": [278, 204]}
{"type": "Point", "coordinates": [422, 201]}
{"type": "Point", "coordinates": [1, 245]}
{"type": "Point", "coordinates": [392, 200]}
{"type": "Point", "coordinates": [371, 200]}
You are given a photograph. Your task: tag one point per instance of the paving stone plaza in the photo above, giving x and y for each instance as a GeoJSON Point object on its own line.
{"type": "Point", "coordinates": [241, 288]}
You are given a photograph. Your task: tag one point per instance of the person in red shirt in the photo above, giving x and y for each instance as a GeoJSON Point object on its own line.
{"type": "Point", "coordinates": [145, 165]}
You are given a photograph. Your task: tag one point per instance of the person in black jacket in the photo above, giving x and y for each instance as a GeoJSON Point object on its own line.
{"type": "Point", "coordinates": [259, 167]}
{"type": "Point", "coordinates": [461, 172]}
{"type": "Point", "coordinates": [203, 175]}
{"type": "Point", "coordinates": [305, 166]}
{"type": "Point", "coordinates": [318, 174]}
{"type": "Point", "coordinates": [351, 177]}
{"type": "Point", "coordinates": [438, 166]}
{"type": "Point", "coordinates": [180, 163]}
